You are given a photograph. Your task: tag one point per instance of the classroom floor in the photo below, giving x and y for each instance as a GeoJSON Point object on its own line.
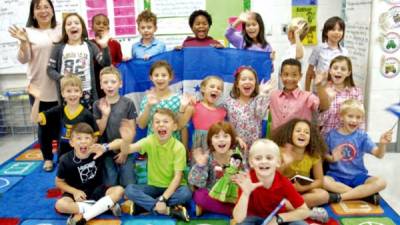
{"type": "Point", "coordinates": [11, 145]}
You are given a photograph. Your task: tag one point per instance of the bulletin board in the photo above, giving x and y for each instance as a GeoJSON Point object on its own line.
{"type": "Point", "coordinates": [172, 16]}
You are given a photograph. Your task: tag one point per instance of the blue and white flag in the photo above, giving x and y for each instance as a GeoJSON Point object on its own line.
{"type": "Point", "coordinates": [395, 109]}
{"type": "Point", "coordinates": [190, 66]}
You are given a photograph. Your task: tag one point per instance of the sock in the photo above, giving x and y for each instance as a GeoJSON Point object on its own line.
{"type": "Point", "coordinates": [83, 206]}
{"type": "Point", "coordinates": [98, 208]}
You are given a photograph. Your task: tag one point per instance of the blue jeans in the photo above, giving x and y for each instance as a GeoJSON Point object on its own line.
{"type": "Point", "coordinates": [255, 220]}
{"type": "Point", "coordinates": [146, 196]}
{"type": "Point", "coordinates": [115, 174]}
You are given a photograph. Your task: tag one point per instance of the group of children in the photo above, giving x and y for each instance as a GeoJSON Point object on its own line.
{"type": "Point", "coordinates": [232, 171]}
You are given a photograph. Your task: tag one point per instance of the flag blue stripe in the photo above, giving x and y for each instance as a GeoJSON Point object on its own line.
{"type": "Point", "coordinates": [194, 64]}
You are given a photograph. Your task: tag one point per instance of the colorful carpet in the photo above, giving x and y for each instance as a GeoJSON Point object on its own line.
{"type": "Point", "coordinates": [28, 195]}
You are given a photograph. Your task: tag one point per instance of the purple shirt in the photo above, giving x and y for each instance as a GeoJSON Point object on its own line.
{"type": "Point", "coordinates": [285, 106]}
{"type": "Point", "coordinates": [237, 40]}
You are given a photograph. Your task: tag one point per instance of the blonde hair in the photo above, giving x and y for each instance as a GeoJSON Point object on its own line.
{"type": "Point", "coordinates": [110, 70]}
{"type": "Point", "coordinates": [205, 81]}
{"type": "Point", "coordinates": [264, 144]}
{"type": "Point", "coordinates": [351, 104]}
{"type": "Point", "coordinates": [297, 22]}
{"type": "Point", "coordinates": [70, 80]}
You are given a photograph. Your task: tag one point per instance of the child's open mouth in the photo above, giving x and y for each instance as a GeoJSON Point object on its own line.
{"type": "Point", "coordinates": [83, 149]}
{"type": "Point", "coordinates": [221, 145]}
{"type": "Point", "coordinates": [264, 168]}
{"type": "Point", "coordinates": [162, 132]}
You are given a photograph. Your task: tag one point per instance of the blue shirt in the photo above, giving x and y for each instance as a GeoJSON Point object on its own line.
{"type": "Point", "coordinates": [355, 145]}
{"type": "Point", "coordinates": [155, 47]}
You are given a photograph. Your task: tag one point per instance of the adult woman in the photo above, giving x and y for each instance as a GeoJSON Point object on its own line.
{"type": "Point", "coordinates": [36, 42]}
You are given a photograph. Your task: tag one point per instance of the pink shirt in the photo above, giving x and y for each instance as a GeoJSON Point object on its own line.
{"type": "Point", "coordinates": [204, 117]}
{"type": "Point", "coordinates": [285, 106]}
{"type": "Point", "coordinates": [37, 57]}
{"type": "Point", "coordinates": [330, 119]}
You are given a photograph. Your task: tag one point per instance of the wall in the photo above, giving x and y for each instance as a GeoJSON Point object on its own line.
{"type": "Point", "coordinates": [383, 91]}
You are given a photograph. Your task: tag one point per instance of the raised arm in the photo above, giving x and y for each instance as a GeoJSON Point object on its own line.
{"type": "Point", "coordinates": [35, 92]}
{"type": "Point", "coordinates": [386, 138]}
{"type": "Point", "coordinates": [144, 116]}
{"type": "Point", "coordinates": [24, 52]}
{"type": "Point", "coordinates": [310, 74]}
{"type": "Point", "coordinates": [320, 82]}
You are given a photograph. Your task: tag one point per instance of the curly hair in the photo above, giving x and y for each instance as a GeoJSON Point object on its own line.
{"type": "Point", "coordinates": [197, 13]}
{"type": "Point", "coordinates": [283, 135]}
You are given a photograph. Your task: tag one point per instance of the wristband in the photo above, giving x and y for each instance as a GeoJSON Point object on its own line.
{"type": "Point", "coordinates": [279, 219]}
{"type": "Point", "coordinates": [106, 147]}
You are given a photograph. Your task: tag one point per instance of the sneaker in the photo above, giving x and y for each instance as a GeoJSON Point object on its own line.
{"type": "Point", "coordinates": [76, 219]}
{"type": "Point", "coordinates": [319, 214]}
{"type": "Point", "coordinates": [179, 212]}
{"type": "Point", "coordinates": [373, 199]}
{"type": "Point", "coordinates": [199, 210]}
{"type": "Point", "coordinates": [128, 207]}
{"type": "Point", "coordinates": [116, 210]}
{"type": "Point", "coordinates": [334, 197]}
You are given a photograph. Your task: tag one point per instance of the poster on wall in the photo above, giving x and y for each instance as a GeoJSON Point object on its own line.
{"type": "Point", "coordinates": [307, 9]}
{"type": "Point", "coordinates": [8, 17]}
{"type": "Point", "coordinates": [390, 42]}
{"type": "Point", "coordinates": [390, 67]}
{"type": "Point", "coordinates": [63, 7]}
{"type": "Point", "coordinates": [357, 14]}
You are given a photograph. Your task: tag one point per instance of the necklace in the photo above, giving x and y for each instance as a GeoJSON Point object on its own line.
{"type": "Point", "coordinates": [75, 159]}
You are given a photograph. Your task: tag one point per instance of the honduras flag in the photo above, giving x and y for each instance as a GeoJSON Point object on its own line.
{"type": "Point", "coordinates": [190, 66]}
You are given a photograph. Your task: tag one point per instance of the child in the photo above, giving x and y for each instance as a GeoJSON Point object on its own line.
{"type": "Point", "coordinates": [245, 106]}
{"type": "Point", "coordinates": [291, 102]}
{"type": "Point", "coordinates": [75, 54]}
{"type": "Point", "coordinates": [147, 46]}
{"type": "Point", "coordinates": [200, 22]}
{"type": "Point", "coordinates": [263, 188]}
{"type": "Point", "coordinates": [305, 154]}
{"type": "Point", "coordinates": [109, 112]}
{"type": "Point", "coordinates": [208, 166]}
{"type": "Point", "coordinates": [166, 189]}
{"type": "Point", "coordinates": [252, 36]}
{"type": "Point", "coordinates": [347, 176]}
{"type": "Point", "coordinates": [205, 112]}
{"type": "Point", "coordinates": [79, 177]}
{"type": "Point", "coordinates": [341, 87]}
{"type": "Point", "coordinates": [70, 114]}
{"type": "Point", "coordinates": [101, 27]}
{"type": "Point", "coordinates": [296, 32]}
{"type": "Point", "coordinates": [160, 96]}
{"type": "Point", "coordinates": [321, 56]}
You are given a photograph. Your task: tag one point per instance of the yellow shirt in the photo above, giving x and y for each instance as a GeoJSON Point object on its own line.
{"type": "Point", "coordinates": [301, 167]}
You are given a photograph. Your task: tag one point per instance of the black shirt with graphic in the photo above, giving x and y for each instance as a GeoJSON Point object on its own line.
{"type": "Point", "coordinates": [82, 174]}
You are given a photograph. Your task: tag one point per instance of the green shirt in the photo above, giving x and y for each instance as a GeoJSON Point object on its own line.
{"type": "Point", "coordinates": [163, 160]}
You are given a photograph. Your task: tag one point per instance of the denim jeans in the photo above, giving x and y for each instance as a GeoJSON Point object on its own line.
{"type": "Point", "coordinates": [146, 196]}
{"type": "Point", "coordinates": [115, 174]}
{"type": "Point", "coordinates": [255, 220]}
